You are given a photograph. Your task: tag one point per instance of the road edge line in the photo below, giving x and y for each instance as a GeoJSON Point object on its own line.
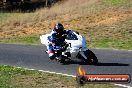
{"type": "Point", "coordinates": [122, 85]}
{"type": "Point", "coordinates": [47, 71]}
{"type": "Point", "coordinates": [114, 49]}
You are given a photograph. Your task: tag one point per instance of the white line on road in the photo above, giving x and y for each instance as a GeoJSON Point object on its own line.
{"type": "Point", "coordinates": [113, 49]}
{"type": "Point", "coordinates": [123, 85]}
{"type": "Point", "coordinates": [57, 73]}
{"type": "Point", "coordinates": [48, 72]}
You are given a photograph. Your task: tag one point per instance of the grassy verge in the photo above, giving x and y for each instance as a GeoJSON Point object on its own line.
{"type": "Point", "coordinates": [11, 77]}
{"type": "Point", "coordinates": [111, 43]}
{"type": "Point", "coordinates": [22, 40]}
{"type": "Point", "coordinates": [117, 2]}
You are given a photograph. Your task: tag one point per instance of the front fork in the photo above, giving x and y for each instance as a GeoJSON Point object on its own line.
{"type": "Point", "coordinates": [82, 53]}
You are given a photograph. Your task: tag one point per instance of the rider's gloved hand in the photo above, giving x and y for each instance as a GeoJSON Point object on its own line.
{"type": "Point", "coordinates": [65, 47]}
{"type": "Point", "coordinates": [64, 36]}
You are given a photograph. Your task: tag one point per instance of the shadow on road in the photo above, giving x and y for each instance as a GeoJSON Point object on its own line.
{"type": "Point", "coordinates": [112, 64]}
{"type": "Point", "coordinates": [98, 64]}
{"type": "Point", "coordinates": [75, 62]}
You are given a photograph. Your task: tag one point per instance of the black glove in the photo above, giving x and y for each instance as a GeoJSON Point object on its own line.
{"type": "Point", "coordinates": [65, 47]}
{"type": "Point", "coordinates": [64, 36]}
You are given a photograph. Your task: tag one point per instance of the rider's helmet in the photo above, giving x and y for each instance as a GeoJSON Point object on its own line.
{"type": "Point", "coordinates": [59, 28]}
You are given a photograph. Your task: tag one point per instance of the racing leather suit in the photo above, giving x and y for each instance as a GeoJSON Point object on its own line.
{"type": "Point", "coordinates": [56, 42]}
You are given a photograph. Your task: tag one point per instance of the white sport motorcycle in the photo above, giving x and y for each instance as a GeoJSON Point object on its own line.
{"type": "Point", "coordinates": [76, 49]}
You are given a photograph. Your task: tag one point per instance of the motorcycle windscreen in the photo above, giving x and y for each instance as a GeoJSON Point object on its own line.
{"type": "Point", "coordinates": [71, 36]}
{"type": "Point", "coordinates": [76, 40]}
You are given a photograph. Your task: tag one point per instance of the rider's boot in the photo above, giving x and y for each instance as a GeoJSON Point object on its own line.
{"type": "Point", "coordinates": [51, 55]}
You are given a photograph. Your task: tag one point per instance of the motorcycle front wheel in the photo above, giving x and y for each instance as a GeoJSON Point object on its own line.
{"type": "Point", "coordinates": [91, 57]}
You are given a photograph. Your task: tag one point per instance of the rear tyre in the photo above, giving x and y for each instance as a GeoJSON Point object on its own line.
{"type": "Point", "coordinates": [91, 57]}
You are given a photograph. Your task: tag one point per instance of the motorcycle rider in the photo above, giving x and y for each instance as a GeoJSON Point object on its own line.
{"type": "Point", "coordinates": [57, 40]}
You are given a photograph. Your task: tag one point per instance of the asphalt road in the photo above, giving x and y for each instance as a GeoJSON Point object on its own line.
{"type": "Point", "coordinates": [34, 57]}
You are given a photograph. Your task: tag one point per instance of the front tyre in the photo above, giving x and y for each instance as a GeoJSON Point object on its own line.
{"type": "Point", "coordinates": [62, 60]}
{"type": "Point", "coordinates": [91, 57]}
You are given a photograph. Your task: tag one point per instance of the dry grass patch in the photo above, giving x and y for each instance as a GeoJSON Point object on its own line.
{"type": "Point", "coordinates": [41, 19]}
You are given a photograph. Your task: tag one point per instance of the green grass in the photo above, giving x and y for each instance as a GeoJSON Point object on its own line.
{"type": "Point", "coordinates": [7, 73]}
{"type": "Point", "coordinates": [111, 43]}
{"type": "Point", "coordinates": [5, 16]}
{"type": "Point", "coordinates": [117, 2]}
{"type": "Point", "coordinates": [12, 77]}
{"type": "Point", "coordinates": [22, 40]}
